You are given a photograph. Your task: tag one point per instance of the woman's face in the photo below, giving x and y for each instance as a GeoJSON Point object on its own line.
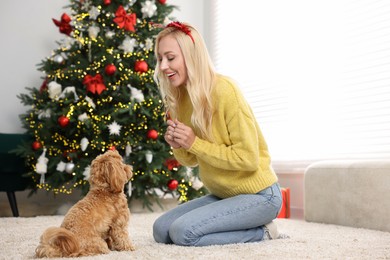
{"type": "Point", "coordinates": [171, 60]}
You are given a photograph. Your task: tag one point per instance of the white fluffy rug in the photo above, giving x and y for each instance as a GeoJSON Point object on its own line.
{"type": "Point", "coordinates": [19, 238]}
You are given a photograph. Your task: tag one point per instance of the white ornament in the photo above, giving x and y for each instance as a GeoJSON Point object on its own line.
{"type": "Point", "coordinates": [188, 172]}
{"type": "Point", "coordinates": [58, 58]}
{"type": "Point", "coordinates": [69, 167]}
{"type": "Point", "coordinates": [149, 156]}
{"type": "Point", "coordinates": [87, 173]}
{"type": "Point", "coordinates": [86, 4]}
{"type": "Point", "coordinates": [54, 90]}
{"type": "Point", "coordinates": [83, 117]}
{"type": "Point", "coordinates": [89, 51]}
{"type": "Point", "coordinates": [131, 3]}
{"type": "Point", "coordinates": [128, 45]}
{"type": "Point", "coordinates": [128, 150]}
{"type": "Point", "coordinates": [90, 102]}
{"type": "Point", "coordinates": [61, 166]}
{"type": "Point", "coordinates": [148, 9]}
{"type": "Point", "coordinates": [129, 189]}
{"type": "Point", "coordinates": [110, 34]}
{"type": "Point", "coordinates": [136, 94]}
{"type": "Point", "coordinates": [41, 166]}
{"type": "Point", "coordinates": [93, 32]}
{"type": "Point", "coordinates": [114, 128]}
{"type": "Point", "coordinates": [148, 44]}
{"type": "Point", "coordinates": [67, 43]}
{"type": "Point", "coordinates": [69, 90]}
{"type": "Point", "coordinates": [196, 183]}
{"type": "Point", "coordinates": [84, 144]}
{"type": "Point", "coordinates": [44, 113]}
{"type": "Point", "coordinates": [94, 12]}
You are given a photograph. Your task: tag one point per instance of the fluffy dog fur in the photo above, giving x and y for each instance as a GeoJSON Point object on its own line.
{"type": "Point", "coordinates": [99, 222]}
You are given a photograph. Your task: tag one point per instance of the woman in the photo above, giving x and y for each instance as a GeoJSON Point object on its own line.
{"type": "Point", "coordinates": [211, 125]}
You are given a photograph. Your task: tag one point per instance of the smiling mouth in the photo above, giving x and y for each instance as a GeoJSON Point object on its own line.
{"type": "Point", "coordinates": [170, 75]}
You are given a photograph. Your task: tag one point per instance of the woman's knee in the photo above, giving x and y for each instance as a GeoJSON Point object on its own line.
{"type": "Point", "coordinates": [160, 231]}
{"type": "Point", "coordinates": [181, 234]}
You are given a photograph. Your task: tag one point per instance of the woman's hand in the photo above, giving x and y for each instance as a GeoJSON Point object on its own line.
{"type": "Point", "coordinates": [169, 137]}
{"type": "Point", "coordinates": [179, 135]}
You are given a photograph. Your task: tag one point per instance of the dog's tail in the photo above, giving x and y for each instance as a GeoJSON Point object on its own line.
{"type": "Point", "coordinates": [58, 242]}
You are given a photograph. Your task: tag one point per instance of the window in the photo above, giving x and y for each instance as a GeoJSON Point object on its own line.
{"type": "Point", "coordinates": [316, 73]}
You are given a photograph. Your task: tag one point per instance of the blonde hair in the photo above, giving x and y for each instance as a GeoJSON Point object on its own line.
{"type": "Point", "coordinates": [200, 83]}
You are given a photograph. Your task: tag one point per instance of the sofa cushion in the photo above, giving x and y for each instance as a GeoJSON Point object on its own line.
{"type": "Point", "coordinates": [352, 193]}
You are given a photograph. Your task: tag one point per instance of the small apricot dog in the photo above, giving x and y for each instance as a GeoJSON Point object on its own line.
{"type": "Point", "coordinates": [99, 222]}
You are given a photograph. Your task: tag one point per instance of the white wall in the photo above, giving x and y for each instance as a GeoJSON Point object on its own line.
{"type": "Point", "coordinates": [28, 35]}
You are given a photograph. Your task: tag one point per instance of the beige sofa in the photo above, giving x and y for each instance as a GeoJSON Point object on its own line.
{"type": "Point", "coordinates": [352, 193]}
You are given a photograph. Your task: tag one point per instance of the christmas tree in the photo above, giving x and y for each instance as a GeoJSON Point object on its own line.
{"type": "Point", "coordinates": [98, 93]}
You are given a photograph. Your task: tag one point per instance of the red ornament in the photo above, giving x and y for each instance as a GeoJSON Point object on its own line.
{"type": "Point", "coordinates": [63, 121]}
{"type": "Point", "coordinates": [36, 145]}
{"type": "Point", "coordinates": [64, 24]}
{"type": "Point", "coordinates": [162, 2]}
{"type": "Point", "coordinates": [152, 134]}
{"type": "Point", "coordinates": [112, 148]}
{"type": "Point", "coordinates": [171, 163]}
{"type": "Point", "coordinates": [107, 2]}
{"type": "Point", "coordinates": [94, 84]}
{"type": "Point", "coordinates": [141, 66]}
{"type": "Point", "coordinates": [172, 184]}
{"type": "Point", "coordinates": [43, 86]}
{"type": "Point", "coordinates": [110, 69]}
{"type": "Point", "coordinates": [124, 20]}
{"type": "Point", "coordinates": [68, 154]}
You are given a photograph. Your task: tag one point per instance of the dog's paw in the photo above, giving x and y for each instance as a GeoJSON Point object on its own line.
{"type": "Point", "coordinates": [129, 247]}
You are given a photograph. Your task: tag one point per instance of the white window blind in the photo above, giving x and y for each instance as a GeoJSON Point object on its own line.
{"type": "Point", "coordinates": [316, 73]}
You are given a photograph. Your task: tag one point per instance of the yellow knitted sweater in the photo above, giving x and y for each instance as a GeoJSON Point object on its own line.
{"type": "Point", "coordinates": [237, 162]}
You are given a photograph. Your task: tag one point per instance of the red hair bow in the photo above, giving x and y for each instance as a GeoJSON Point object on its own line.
{"type": "Point", "coordinates": [64, 24]}
{"type": "Point", "coordinates": [94, 84]}
{"type": "Point", "coordinates": [124, 20]}
{"type": "Point", "coordinates": [182, 27]}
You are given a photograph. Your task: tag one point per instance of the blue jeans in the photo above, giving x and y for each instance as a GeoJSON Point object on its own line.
{"type": "Point", "coordinates": [210, 220]}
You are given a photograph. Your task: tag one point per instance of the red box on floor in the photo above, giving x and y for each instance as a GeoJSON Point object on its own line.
{"type": "Point", "coordinates": [285, 211]}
